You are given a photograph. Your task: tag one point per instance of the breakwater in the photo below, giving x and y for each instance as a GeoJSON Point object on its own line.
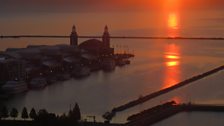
{"type": "Point", "coordinates": [110, 115]}
{"type": "Point", "coordinates": [164, 111]}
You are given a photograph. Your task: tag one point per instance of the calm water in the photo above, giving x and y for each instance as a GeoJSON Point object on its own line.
{"type": "Point", "coordinates": [158, 63]}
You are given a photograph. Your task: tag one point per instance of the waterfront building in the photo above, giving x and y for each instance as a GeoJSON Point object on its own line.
{"type": "Point", "coordinates": [12, 69]}
{"type": "Point", "coordinates": [97, 47]}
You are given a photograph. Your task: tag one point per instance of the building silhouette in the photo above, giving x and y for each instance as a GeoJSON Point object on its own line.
{"type": "Point", "coordinates": [74, 37]}
{"type": "Point", "coordinates": [106, 38]}
{"type": "Point", "coordinates": [97, 47]}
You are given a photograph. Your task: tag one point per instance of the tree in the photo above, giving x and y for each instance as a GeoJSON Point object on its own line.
{"type": "Point", "coordinates": [63, 117]}
{"type": "Point", "coordinates": [4, 112]}
{"type": "Point", "coordinates": [42, 115]}
{"type": "Point", "coordinates": [33, 114]}
{"type": "Point", "coordinates": [42, 112]}
{"type": "Point", "coordinates": [76, 112]}
{"type": "Point", "coordinates": [14, 113]}
{"type": "Point", "coordinates": [24, 113]}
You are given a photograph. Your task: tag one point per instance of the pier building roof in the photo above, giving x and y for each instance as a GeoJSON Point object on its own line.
{"type": "Point", "coordinates": [91, 44]}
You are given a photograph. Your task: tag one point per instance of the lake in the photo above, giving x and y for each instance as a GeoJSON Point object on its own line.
{"type": "Point", "coordinates": [157, 63]}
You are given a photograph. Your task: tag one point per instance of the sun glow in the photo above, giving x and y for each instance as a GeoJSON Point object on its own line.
{"type": "Point", "coordinates": [172, 21]}
{"type": "Point", "coordinates": [171, 11]}
{"type": "Point", "coordinates": [172, 4]}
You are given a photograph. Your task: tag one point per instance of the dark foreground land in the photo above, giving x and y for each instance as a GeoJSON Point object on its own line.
{"type": "Point", "coordinates": [145, 118]}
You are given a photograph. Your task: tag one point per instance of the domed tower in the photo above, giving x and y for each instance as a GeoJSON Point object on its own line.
{"type": "Point", "coordinates": [106, 38]}
{"type": "Point", "coordinates": [74, 37]}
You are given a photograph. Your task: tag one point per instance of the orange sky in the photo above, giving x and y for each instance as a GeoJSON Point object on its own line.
{"type": "Point", "coordinates": [99, 5]}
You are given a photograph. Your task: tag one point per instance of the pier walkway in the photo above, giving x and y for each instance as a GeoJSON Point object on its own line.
{"type": "Point", "coordinates": [109, 115]}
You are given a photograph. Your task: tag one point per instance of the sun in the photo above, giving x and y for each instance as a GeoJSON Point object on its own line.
{"type": "Point", "coordinates": [172, 21]}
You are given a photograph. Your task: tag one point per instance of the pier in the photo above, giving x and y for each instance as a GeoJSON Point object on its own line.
{"type": "Point", "coordinates": [109, 115]}
{"type": "Point", "coordinates": [164, 111]}
{"type": "Point", "coordinates": [56, 63]}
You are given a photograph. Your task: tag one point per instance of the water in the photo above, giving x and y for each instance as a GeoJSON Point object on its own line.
{"type": "Point", "coordinates": [157, 64]}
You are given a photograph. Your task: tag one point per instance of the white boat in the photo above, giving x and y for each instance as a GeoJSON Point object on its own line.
{"type": "Point", "coordinates": [15, 87]}
{"type": "Point", "coordinates": [38, 83]}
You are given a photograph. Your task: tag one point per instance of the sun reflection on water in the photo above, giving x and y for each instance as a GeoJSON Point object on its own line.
{"type": "Point", "coordinates": [172, 62]}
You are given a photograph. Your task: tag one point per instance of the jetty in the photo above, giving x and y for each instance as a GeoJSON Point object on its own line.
{"type": "Point", "coordinates": [109, 115]}
{"type": "Point", "coordinates": [166, 110]}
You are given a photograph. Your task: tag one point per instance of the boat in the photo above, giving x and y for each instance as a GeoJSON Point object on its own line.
{"type": "Point", "coordinates": [38, 83]}
{"type": "Point", "coordinates": [15, 87]}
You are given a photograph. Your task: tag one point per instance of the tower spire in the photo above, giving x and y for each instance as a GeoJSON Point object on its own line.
{"type": "Point", "coordinates": [106, 37]}
{"type": "Point", "coordinates": [106, 29]}
{"type": "Point", "coordinates": [74, 37]}
{"type": "Point", "coordinates": [73, 29]}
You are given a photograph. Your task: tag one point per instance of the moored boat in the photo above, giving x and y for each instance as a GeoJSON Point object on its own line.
{"type": "Point", "coordinates": [15, 87]}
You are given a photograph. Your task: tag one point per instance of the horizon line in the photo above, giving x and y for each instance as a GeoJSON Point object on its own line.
{"type": "Point", "coordinates": [112, 37]}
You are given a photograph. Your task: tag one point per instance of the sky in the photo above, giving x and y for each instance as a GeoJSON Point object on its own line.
{"type": "Point", "coordinates": [24, 6]}
{"type": "Point", "coordinates": [26, 16]}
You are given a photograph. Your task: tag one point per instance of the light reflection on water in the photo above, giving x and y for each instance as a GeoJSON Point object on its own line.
{"type": "Point", "coordinates": [172, 62]}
